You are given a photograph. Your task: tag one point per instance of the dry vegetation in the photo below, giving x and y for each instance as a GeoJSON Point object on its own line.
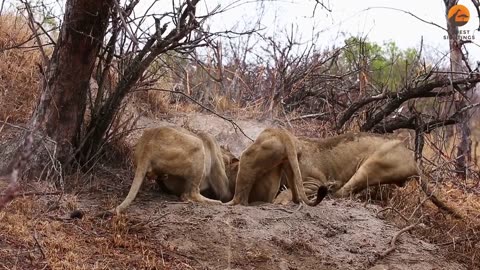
{"type": "Point", "coordinates": [19, 80]}
{"type": "Point", "coordinates": [38, 234]}
{"type": "Point", "coordinates": [36, 231]}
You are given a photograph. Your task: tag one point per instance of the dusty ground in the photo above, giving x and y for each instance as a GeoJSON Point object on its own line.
{"type": "Point", "coordinates": [337, 235]}
{"type": "Point", "coordinates": [159, 232]}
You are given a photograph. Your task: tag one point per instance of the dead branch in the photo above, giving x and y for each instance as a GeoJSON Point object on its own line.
{"type": "Point", "coordinates": [10, 192]}
{"type": "Point", "coordinates": [31, 24]}
{"type": "Point", "coordinates": [409, 13]}
{"type": "Point", "coordinates": [37, 243]}
{"type": "Point", "coordinates": [308, 116]}
{"type": "Point", "coordinates": [26, 150]}
{"type": "Point", "coordinates": [395, 210]}
{"type": "Point", "coordinates": [396, 99]}
{"type": "Point", "coordinates": [418, 207]}
{"type": "Point", "coordinates": [402, 122]}
{"type": "Point", "coordinates": [453, 242]}
{"type": "Point", "coordinates": [395, 237]}
{"type": "Point", "coordinates": [321, 4]}
{"type": "Point", "coordinates": [16, 167]}
{"type": "Point", "coordinates": [35, 193]}
{"type": "Point", "coordinates": [38, 135]}
{"type": "Point", "coordinates": [124, 23]}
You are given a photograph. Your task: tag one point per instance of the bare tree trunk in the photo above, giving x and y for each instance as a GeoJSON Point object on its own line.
{"type": "Point", "coordinates": [457, 67]}
{"type": "Point", "coordinates": [69, 71]}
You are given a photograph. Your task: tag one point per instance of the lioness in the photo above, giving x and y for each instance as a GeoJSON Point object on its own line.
{"type": "Point", "coordinates": [193, 162]}
{"type": "Point", "coordinates": [175, 185]}
{"type": "Point", "coordinates": [262, 164]}
{"type": "Point", "coordinates": [345, 163]}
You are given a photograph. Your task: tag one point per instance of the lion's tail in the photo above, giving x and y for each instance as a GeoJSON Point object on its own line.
{"type": "Point", "coordinates": [297, 184]}
{"type": "Point", "coordinates": [140, 173]}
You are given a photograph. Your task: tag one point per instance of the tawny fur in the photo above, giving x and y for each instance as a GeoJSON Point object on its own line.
{"type": "Point", "coordinates": [261, 165]}
{"type": "Point", "coordinates": [346, 164]}
{"type": "Point", "coordinates": [193, 162]}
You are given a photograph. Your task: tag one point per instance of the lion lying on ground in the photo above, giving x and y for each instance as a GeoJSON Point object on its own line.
{"type": "Point", "coordinates": [192, 163]}
{"type": "Point", "coordinates": [345, 164]}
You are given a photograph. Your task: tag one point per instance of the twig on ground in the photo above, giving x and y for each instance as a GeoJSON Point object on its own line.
{"type": "Point", "coordinates": [39, 193]}
{"type": "Point", "coordinates": [148, 221]}
{"type": "Point", "coordinates": [395, 237]}
{"type": "Point", "coordinates": [395, 210]}
{"type": "Point", "coordinates": [277, 208]}
{"type": "Point", "coordinates": [418, 207]}
{"type": "Point", "coordinates": [3, 125]}
{"type": "Point", "coordinates": [38, 243]}
{"type": "Point", "coordinates": [453, 242]}
{"type": "Point", "coordinates": [179, 254]}
{"type": "Point", "coordinates": [307, 116]}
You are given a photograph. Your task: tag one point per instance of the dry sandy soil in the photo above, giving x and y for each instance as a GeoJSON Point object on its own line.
{"type": "Point", "coordinates": [159, 232]}
{"type": "Point", "coordinates": [336, 235]}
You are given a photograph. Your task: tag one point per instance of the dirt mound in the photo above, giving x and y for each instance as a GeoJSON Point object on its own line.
{"type": "Point", "coordinates": [158, 232]}
{"type": "Point", "coordinates": [339, 234]}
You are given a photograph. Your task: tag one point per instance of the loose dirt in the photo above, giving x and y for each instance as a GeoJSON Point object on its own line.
{"type": "Point", "coordinates": [338, 234]}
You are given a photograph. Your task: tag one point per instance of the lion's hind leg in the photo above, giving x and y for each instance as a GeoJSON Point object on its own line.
{"type": "Point", "coordinates": [266, 187]}
{"type": "Point", "coordinates": [390, 164]}
{"type": "Point", "coordinates": [194, 176]}
{"type": "Point", "coordinates": [258, 160]}
{"type": "Point", "coordinates": [191, 192]}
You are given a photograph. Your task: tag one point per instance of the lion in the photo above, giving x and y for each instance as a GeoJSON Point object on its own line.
{"type": "Point", "coordinates": [261, 166]}
{"type": "Point", "coordinates": [185, 163]}
{"type": "Point", "coordinates": [175, 185]}
{"type": "Point", "coordinates": [341, 164]}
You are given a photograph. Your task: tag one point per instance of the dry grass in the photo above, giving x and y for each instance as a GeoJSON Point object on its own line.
{"type": "Point", "coordinates": [37, 233]}
{"type": "Point", "coordinates": [19, 77]}
{"type": "Point", "coordinates": [152, 103]}
{"type": "Point", "coordinates": [460, 237]}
